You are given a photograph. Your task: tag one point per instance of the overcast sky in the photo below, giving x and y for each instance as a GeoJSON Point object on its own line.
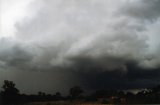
{"type": "Point", "coordinates": [52, 45]}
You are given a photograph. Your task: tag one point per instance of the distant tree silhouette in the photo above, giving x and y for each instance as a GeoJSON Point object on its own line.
{"type": "Point", "coordinates": [10, 94]}
{"type": "Point", "coordinates": [75, 92]}
{"type": "Point", "coordinates": [40, 93]}
{"type": "Point", "coordinates": [58, 96]}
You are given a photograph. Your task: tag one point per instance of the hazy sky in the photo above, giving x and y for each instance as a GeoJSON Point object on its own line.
{"type": "Point", "coordinates": [51, 45]}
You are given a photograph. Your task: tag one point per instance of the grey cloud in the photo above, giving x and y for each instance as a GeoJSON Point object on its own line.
{"type": "Point", "coordinates": [147, 13]}
{"type": "Point", "coordinates": [13, 55]}
{"type": "Point", "coordinates": [86, 40]}
{"type": "Point", "coordinates": [143, 9]}
{"type": "Point", "coordinates": [74, 29]}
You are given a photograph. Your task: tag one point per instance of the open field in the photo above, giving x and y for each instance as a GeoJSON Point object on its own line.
{"type": "Point", "coordinates": [50, 103]}
{"type": "Point", "coordinates": [64, 103]}
{"type": "Point", "coordinates": [76, 103]}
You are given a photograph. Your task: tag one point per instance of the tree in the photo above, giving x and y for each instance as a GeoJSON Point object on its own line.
{"type": "Point", "coordinates": [58, 96]}
{"type": "Point", "coordinates": [75, 92]}
{"type": "Point", "coordinates": [9, 93]}
{"type": "Point", "coordinates": [41, 93]}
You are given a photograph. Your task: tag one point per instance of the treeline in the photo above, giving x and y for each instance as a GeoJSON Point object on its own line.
{"type": "Point", "coordinates": [11, 95]}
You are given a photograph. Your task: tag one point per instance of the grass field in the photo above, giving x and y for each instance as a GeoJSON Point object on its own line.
{"type": "Point", "coordinates": [77, 103]}
{"type": "Point", "coordinates": [64, 103]}
{"type": "Point", "coordinates": [53, 103]}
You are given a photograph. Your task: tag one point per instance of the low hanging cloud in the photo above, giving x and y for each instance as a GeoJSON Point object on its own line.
{"type": "Point", "coordinates": [102, 37]}
{"type": "Point", "coordinates": [66, 30]}
{"type": "Point", "coordinates": [13, 55]}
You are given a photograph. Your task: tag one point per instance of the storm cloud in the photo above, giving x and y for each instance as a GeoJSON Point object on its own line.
{"type": "Point", "coordinates": [96, 44]}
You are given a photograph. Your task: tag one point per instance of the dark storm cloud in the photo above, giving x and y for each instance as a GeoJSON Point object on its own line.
{"type": "Point", "coordinates": [143, 9]}
{"type": "Point", "coordinates": [16, 64]}
{"type": "Point", "coordinates": [89, 42]}
{"type": "Point", "coordinates": [135, 77]}
{"type": "Point", "coordinates": [13, 54]}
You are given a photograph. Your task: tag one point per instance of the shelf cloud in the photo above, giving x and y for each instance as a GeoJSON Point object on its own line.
{"type": "Point", "coordinates": [95, 43]}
